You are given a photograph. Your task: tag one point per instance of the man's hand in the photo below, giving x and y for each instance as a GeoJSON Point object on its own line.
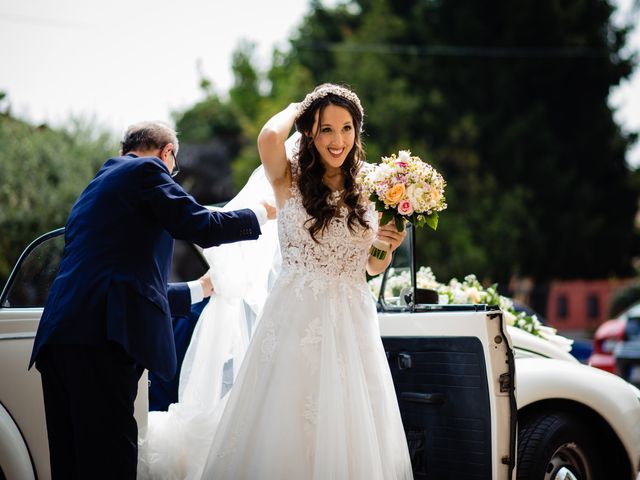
{"type": "Point", "coordinates": [207, 285]}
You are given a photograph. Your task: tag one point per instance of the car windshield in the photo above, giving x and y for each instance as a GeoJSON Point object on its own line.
{"type": "Point", "coordinates": [28, 285]}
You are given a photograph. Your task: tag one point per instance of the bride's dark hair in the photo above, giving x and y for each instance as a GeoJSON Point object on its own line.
{"type": "Point", "coordinates": [311, 170]}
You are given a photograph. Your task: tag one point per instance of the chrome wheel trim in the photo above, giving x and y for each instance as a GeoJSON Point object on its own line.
{"type": "Point", "coordinates": [568, 462]}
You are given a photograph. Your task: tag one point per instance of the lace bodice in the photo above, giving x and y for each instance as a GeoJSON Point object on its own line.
{"type": "Point", "coordinates": [339, 254]}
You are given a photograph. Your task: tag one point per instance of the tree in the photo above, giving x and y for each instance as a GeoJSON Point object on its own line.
{"type": "Point", "coordinates": [510, 103]}
{"type": "Point", "coordinates": [288, 81]}
{"type": "Point", "coordinates": [43, 170]}
{"type": "Point", "coordinates": [245, 92]}
{"type": "Point", "coordinates": [211, 135]}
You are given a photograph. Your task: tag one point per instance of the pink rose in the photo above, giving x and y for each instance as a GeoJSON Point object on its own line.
{"type": "Point", "coordinates": [405, 207]}
{"type": "Point", "coordinates": [402, 164]}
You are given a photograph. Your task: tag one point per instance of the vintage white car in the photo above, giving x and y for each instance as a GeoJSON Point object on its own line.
{"type": "Point", "coordinates": [479, 400]}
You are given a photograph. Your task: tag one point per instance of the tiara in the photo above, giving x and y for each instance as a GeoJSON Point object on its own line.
{"type": "Point", "coordinates": [323, 92]}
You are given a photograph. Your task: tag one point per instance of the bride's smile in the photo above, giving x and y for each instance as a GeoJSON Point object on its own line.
{"type": "Point", "coordinates": [334, 137]}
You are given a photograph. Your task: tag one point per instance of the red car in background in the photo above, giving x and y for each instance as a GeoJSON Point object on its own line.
{"type": "Point", "coordinates": [608, 338]}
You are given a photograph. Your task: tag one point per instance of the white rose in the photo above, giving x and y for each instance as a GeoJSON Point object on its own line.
{"type": "Point", "coordinates": [509, 318]}
{"type": "Point", "coordinates": [404, 156]}
{"type": "Point", "coordinates": [382, 173]}
{"type": "Point", "coordinates": [473, 294]}
{"type": "Point", "coordinates": [459, 296]}
{"type": "Point", "coordinates": [505, 303]}
{"type": "Point", "coordinates": [415, 194]}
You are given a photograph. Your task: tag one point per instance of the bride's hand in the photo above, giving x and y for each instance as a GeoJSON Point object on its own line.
{"type": "Point", "coordinates": [272, 213]}
{"type": "Point", "coordinates": [390, 234]}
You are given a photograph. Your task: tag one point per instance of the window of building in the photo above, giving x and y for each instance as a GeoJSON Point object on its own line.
{"type": "Point", "coordinates": [593, 306]}
{"type": "Point", "coordinates": [562, 307]}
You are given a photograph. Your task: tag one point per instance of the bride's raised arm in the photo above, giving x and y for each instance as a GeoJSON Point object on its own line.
{"type": "Point", "coordinates": [271, 146]}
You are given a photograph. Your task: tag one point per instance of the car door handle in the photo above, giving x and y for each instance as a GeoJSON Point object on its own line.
{"type": "Point", "coordinates": [404, 361]}
{"type": "Point", "coordinates": [428, 398]}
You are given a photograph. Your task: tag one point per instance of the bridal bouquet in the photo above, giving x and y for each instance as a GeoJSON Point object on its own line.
{"type": "Point", "coordinates": [404, 189]}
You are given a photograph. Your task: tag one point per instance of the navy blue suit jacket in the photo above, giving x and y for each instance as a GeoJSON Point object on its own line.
{"type": "Point", "coordinates": [112, 281]}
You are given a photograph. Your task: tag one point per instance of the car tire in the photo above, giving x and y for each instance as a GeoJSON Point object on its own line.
{"type": "Point", "coordinates": [555, 443]}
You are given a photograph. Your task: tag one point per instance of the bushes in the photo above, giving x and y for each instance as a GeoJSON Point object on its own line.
{"type": "Point", "coordinates": [42, 171]}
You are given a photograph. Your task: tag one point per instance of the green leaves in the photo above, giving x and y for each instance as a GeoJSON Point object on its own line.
{"type": "Point", "coordinates": [519, 126]}
{"type": "Point", "coordinates": [400, 221]}
{"type": "Point", "coordinates": [387, 216]}
{"type": "Point", "coordinates": [432, 220]}
{"type": "Point", "coordinates": [42, 171]}
{"type": "Point", "coordinates": [417, 220]}
{"type": "Point", "coordinates": [521, 165]}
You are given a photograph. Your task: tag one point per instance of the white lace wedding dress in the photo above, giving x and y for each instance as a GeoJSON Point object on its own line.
{"type": "Point", "coordinates": [314, 397]}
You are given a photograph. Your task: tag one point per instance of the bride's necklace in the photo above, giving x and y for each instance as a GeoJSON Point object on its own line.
{"type": "Point", "coordinates": [334, 197]}
{"type": "Point", "coordinates": [336, 185]}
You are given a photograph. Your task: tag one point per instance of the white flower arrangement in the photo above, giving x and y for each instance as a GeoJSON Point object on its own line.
{"type": "Point", "coordinates": [469, 291]}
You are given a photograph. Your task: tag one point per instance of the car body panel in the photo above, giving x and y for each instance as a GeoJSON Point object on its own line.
{"type": "Point", "coordinates": [627, 356]}
{"type": "Point", "coordinates": [627, 352]}
{"type": "Point", "coordinates": [605, 340]}
{"type": "Point", "coordinates": [17, 330]}
{"type": "Point", "coordinates": [489, 328]}
{"type": "Point", "coordinates": [613, 399]}
{"type": "Point", "coordinates": [14, 454]}
{"type": "Point", "coordinates": [608, 337]}
{"type": "Point", "coordinates": [603, 361]}
{"type": "Point", "coordinates": [23, 397]}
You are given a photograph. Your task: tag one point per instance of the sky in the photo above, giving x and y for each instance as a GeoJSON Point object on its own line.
{"type": "Point", "coordinates": [121, 61]}
{"type": "Point", "coordinates": [128, 60]}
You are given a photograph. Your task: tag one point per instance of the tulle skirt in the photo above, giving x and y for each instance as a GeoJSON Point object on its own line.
{"type": "Point", "coordinates": [314, 398]}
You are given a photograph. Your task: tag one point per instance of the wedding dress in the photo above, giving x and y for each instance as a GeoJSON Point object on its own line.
{"type": "Point", "coordinates": [314, 397]}
{"type": "Point", "coordinates": [176, 441]}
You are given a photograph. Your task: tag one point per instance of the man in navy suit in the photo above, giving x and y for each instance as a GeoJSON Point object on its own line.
{"type": "Point", "coordinates": [108, 313]}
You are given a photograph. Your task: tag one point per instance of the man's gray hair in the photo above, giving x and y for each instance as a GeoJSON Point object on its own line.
{"type": "Point", "coordinates": [149, 136]}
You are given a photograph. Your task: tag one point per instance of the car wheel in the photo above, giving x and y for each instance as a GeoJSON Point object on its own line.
{"type": "Point", "coordinates": [555, 446]}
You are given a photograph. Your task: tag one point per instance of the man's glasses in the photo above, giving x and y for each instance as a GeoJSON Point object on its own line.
{"type": "Point", "coordinates": [176, 168]}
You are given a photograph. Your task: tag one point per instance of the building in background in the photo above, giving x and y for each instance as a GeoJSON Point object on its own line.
{"type": "Point", "coordinates": [581, 305]}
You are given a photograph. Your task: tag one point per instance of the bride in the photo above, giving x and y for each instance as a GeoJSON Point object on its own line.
{"type": "Point", "coordinates": [313, 397]}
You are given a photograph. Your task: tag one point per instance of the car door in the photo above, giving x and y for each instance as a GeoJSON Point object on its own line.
{"type": "Point", "coordinates": [25, 454]}
{"type": "Point", "coordinates": [24, 451]}
{"type": "Point", "coordinates": [453, 370]}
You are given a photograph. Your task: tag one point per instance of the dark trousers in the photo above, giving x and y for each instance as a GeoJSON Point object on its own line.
{"type": "Point", "coordinates": [163, 393]}
{"type": "Point", "coordinates": [89, 392]}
